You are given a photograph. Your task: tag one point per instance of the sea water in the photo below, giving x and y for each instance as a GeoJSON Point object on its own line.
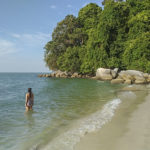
{"type": "Point", "coordinates": [64, 110]}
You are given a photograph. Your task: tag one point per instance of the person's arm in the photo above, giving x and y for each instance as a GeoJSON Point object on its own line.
{"type": "Point", "coordinates": [26, 100]}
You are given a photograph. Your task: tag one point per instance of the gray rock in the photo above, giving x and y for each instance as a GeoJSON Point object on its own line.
{"type": "Point", "coordinates": [131, 75]}
{"type": "Point", "coordinates": [75, 75]}
{"type": "Point", "coordinates": [53, 74]}
{"type": "Point", "coordinates": [40, 75]}
{"type": "Point", "coordinates": [148, 79]}
{"type": "Point", "coordinates": [104, 74]}
{"type": "Point", "coordinates": [140, 81]}
{"type": "Point", "coordinates": [114, 74]}
{"type": "Point", "coordinates": [128, 82]}
{"type": "Point", "coordinates": [116, 70]}
{"type": "Point", "coordinates": [116, 81]}
{"type": "Point", "coordinates": [47, 75]}
{"type": "Point", "coordinates": [146, 75]}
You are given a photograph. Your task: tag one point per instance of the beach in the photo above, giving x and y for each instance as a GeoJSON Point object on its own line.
{"type": "Point", "coordinates": [73, 114]}
{"type": "Point", "coordinates": [129, 128]}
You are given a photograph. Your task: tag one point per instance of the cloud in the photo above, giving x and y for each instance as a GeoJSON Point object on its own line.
{"type": "Point", "coordinates": [7, 47]}
{"type": "Point", "coordinates": [85, 4]}
{"type": "Point", "coordinates": [53, 6]}
{"type": "Point", "coordinates": [69, 6]}
{"type": "Point", "coordinates": [38, 38]}
{"type": "Point", "coordinates": [18, 43]}
{"type": "Point", "coordinates": [15, 35]}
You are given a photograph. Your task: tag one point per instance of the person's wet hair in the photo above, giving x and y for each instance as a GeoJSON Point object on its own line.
{"type": "Point", "coordinates": [30, 91]}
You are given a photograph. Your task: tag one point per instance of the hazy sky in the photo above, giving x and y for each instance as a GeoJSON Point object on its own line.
{"type": "Point", "coordinates": [26, 26]}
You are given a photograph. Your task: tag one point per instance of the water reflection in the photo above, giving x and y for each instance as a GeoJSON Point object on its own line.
{"type": "Point", "coordinates": [29, 118]}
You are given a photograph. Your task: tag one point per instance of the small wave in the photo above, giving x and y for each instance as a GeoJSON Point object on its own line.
{"type": "Point", "coordinates": [69, 139]}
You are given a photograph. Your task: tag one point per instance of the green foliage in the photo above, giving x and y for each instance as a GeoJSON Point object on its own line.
{"type": "Point", "coordinates": [137, 53]}
{"type": "Point", "coordinates": [89, 16]}
{"type": "Point", "coordinates": [70, 61]}
{"type": "Point", "coordinates": [117, 36]}
{"type": "Point", "coordinates": [112, 31]}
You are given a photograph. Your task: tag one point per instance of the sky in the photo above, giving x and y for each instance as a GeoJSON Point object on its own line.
{"type": "Point", "coordinates": [26, 26]}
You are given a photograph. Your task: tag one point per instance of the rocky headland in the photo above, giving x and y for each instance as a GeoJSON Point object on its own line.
{"type": "Point", "coordinates": [112, 75]}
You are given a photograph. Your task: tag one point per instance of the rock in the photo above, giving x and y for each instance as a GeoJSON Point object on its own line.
{"type": "Point", "coordinates": [87, 76]}
{"type": "Point", "coordinates": [53, 74]}
{"type": "Point", "coordinates": [116, 81]}
{"type": "Point", "coordinates": [146, 75]}
{"type": "Point", "coordinates": [75, 75]}
{"type": "Point", "coordinates": [69, 74]}
{"type": "Point", "coordinates": [95, 78]}
{"type": "Point", "coordinates": [40, 75]}
{"type": "Point", "coordinates": [140, 81]}
{"type": "Point", "coordinates": [63, 75]}
{"type": "Point", "coordinates": [57, 75]}
{"type": "Point", "coordinates": [47, 75]}
{"type": "Point", "coordinates": [128, 82]}
{"type": "Point", "coordinates": [83, 76]}
{"type": "Point", "coordinates": [60, 74]}
{"type": "Point", "coordinates": [131, 75]}
{"type": "Point", "coordinates": [116, 70]}
{"type": "Point", "coordinates": [80, 76]}
{"type": "Point", "coordinates": [44, 75]}
{"type": "Point", "coordinates": [114, 74]}
{"type": "Point", "coordinates": [104, 74]}
{"type": "Point", "coordinates": [148, 79]}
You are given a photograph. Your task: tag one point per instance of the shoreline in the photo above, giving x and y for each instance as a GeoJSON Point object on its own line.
{"type": "Point", "coordinates": [130, 123]}
{"type": "Point", "coordinates": [115, 76]}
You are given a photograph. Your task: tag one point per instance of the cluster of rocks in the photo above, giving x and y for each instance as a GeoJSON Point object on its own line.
{"type": "Point", "coordinates": [61, 74]}
{"type": "Point", "coordinates": [112, 75]}
{"type": "Point", "coordinates": [127, 76]}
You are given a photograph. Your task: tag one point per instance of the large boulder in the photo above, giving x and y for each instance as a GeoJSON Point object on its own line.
{"type": "Point", "coordinates": [103, 74]}
{"type": "Point", "coordinates": [132, 75]}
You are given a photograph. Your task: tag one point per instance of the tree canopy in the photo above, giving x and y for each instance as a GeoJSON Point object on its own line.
{"type": "Point", "coordinates": [116, 36]}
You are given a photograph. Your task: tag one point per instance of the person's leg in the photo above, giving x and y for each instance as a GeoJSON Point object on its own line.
{"type": "Point", "coordinates": [27, 108]}
{"type": "Point", "coordinates": [30, 107]}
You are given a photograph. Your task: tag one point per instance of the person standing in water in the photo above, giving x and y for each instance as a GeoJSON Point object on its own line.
{"type": "Point", "coordinates": [29, 100]}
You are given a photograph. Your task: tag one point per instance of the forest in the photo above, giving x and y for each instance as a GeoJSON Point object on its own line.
{"type": "Point", "coordinates": [114, 36]}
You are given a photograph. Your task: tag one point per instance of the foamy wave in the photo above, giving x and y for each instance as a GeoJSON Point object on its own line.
{"type": "Point", "coordinates": [68, 140]}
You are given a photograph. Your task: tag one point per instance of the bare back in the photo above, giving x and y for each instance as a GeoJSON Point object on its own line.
{"type": "Point", "coordinates": [29, 100]}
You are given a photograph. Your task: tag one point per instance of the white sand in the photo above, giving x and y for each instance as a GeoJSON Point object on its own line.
{"type": "Point", "coordinates": [128, 130]}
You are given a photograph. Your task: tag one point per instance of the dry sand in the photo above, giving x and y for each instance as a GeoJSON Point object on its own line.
{"type": "Point", "coordinates": [129, 129]}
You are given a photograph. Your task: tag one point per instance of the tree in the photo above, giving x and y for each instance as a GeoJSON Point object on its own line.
{"type": "Point", "coordinates": [68, 33]}
{"type": "Point", "coordinates": [112, 32]}
{"type": "Point", "coordinates": [107, 1]}
{"type": "Point", "coordinates": [89, 16]}
{"type": "Point", "coordinates": [117, 36]}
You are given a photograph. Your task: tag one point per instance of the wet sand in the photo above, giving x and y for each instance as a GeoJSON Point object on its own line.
{"type": "Point", "coordinates": [129, 129]}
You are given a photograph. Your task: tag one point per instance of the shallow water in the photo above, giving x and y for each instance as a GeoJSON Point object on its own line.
{"type": "Point", "coordinates": [61, 106]}
{"type": "Point", "coordinates": [128, 129]}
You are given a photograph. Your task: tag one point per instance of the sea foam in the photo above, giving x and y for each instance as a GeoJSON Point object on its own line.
{"type": "Point", "coordinates": [95, 121]}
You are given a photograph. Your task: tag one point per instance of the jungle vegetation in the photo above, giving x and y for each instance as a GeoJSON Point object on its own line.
{"type": "Point", "coordinates": [115, 36]}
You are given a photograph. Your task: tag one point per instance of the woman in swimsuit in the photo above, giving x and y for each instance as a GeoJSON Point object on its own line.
{"type": "Point", "coordinates": [29, 99]}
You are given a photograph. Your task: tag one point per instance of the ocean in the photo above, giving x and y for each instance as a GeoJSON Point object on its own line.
{"type": "Point", "coordinates": [65, 110]}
